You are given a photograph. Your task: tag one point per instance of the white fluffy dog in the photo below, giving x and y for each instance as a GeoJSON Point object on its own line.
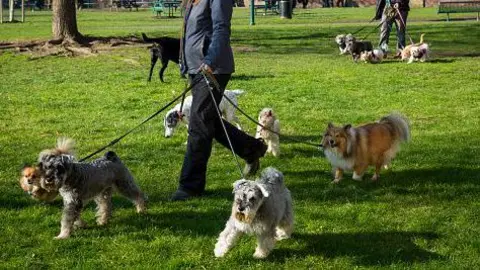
{"type": "Point", "coordinates": [263, 208]}
{"type": "Point", "coordinates": [268, 119]}
{"type": "Point", "coordinates": [175, 116]}
{"type": "Point", "coordinates": [376, 56]}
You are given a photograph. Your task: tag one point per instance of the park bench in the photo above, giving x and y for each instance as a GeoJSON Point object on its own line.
{"type": "Point", "coordinates": [459, 6]}
{"type": "Point", "coordinates": [170, 6]}
{"type": "Point", "coordinates": [268, 6]}
{"type": "Point", "coordinates": [127, 4]}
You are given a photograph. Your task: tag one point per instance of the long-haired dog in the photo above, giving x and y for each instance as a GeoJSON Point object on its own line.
{"type": "Point", "coordinates": [263, 208]}
{"type": "Point", "coordinates": [342, 46]}
{"type": "Point", "coordinates": [269, 121]}
{"type": "Point", "coordinates": [376, 56]}
{"type": "Point", "coordinates": [79, 182]}
{"type": "Point", "coordinates": [166, 49]}
{"type": "Point", "coordinates": [416, 52]}
{"type": "Point", "coordinates": [175, 115]}
{"type": "Point", "coordinates": [31, 174]}
{"type": "Point", "coordinates": [355, 148]}
{"type": "Point", "coordinates": [356, 47]}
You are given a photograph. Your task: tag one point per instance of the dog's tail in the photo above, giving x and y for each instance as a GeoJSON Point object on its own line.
{"type": "Point", "coordinates": [399, 124]}
{"type": "Point", "coordinates": [145, 38]}
{"type": "Point", "coordinates": [112, 156]}
{"type": "Point", "coordinates": [237, 92]}
{"type": "Point", "coordinates": [65, 146]}
{"type": "Point", "coordinates": [272, 176]}
{"type": "Point", "coordinates": [421, 37]}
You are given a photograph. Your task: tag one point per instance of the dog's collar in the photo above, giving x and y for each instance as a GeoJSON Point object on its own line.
{"type": "Point", "coordinates": [180, 115]}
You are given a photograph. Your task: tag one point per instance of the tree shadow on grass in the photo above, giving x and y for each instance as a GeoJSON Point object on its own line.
{"type": "Point", "coordinates": [365, 248]}
{"type": "Point", "coordinates": [244, 77]}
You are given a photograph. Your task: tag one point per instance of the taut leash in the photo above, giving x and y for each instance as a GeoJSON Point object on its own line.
{"type": "Point", "coordinates": [137, 126]}
{"type": "Point", "coordinates": [209, 78]}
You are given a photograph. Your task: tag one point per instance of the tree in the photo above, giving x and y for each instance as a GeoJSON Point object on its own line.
{"type": "Point", "coordinates": [64, 22]}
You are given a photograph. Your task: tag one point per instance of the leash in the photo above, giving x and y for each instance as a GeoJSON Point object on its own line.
{"type": "Point", "coordinates": [395, 7]}
{"type": "Point", "coordinates": [373, 30]}
{"type": "Point", "coordinates": [206, 75]}
{"type": "Point", "coordinates": [137, 126]}
{"type": "Point", "coordinates": [262, 126]}
{"type": "Point", "coordinates": [365, 26]}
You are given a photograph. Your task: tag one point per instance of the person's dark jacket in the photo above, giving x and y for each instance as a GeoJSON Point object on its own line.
{"type": "Point", "coordinates": [403, 5]}
{"type": "Point", "coordinates": [206, 39]}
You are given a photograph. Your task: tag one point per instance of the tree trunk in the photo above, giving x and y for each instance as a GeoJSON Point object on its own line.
{"type": "Point", "coordinates": [64, 23]}
{"type": "Point", "coordinates": [11, 12]}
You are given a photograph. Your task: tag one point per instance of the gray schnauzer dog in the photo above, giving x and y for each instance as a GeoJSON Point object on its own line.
{"type": "Point", "coordinates": [79, 182]}
{"type": "Point", "coordinates": [263, 208]}
{"type": "Point", "coordinates": [356, 47]}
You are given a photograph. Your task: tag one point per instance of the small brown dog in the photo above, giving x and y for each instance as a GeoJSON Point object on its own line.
{"type": "Point", "coordinates": [31, 175]}
{"type": "Point", "coordinates": [354, 149]}
{"type": "Point", "coordinates": [30, 183]}
{"type": "Point", "coordinates": [416, 52]}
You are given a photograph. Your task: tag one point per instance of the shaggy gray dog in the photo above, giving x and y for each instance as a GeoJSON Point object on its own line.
{"type": "Point", "coordinates": [263, 208]}
{"type": "Point", "coordinates": [79, 182]}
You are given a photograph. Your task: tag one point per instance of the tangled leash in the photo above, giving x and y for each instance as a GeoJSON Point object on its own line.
{"type": "Point", "coordinates": [209, 80]}
{"type": "Point", "coordinates": [187, 88]}
{"type": "Point", "coordinates": [317, 145]}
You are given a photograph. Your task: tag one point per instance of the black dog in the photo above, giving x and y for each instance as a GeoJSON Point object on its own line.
{"type": "Point", "coordinates": [164, 48]}
{"type": "Point", "coordinates": [355, 47]}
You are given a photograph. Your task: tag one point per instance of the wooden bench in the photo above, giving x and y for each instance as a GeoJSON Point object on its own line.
{"type": "Point", "coordinates": [269, 6]}
{"type": "Point", "coordinates": [459, 6]}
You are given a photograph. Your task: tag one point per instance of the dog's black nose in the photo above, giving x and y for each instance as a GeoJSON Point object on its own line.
{"type": "Point", "coordinates": [241, 208]}
{"type": "Point", "coordinates": [29, 181]}
{"type": "Point", "coordinates": [332, 142]}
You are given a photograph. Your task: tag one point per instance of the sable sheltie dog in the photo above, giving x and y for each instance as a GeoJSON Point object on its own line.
{"type": "Point", "coordinates": [355, 148]}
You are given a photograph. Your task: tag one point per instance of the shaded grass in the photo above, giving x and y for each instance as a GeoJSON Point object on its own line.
{"type": "Point", "coordinates": [423, 213]}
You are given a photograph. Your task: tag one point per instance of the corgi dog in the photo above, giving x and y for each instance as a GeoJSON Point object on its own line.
{"type": "Point", "coordinates": [356, 148]}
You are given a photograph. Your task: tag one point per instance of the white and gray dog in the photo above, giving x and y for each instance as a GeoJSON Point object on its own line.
{"type": "Point", "coordinates": [269, 120]}
{"type": "Point", "coordinates": [79, 182]}
{"type": "Point", "coordinates": [342, 46]}
{"type": "Point", "coordinates": [175, 116]}
{"type": "Point", "coordinates": [263, 208]}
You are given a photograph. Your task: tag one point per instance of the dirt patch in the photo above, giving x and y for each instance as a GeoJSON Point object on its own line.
{"type": "Point", "coordinates": [91, 46]}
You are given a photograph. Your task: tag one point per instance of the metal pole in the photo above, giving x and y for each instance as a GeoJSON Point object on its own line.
{"type": "Point", "coordinates": [252, 12]}
{"type": "Point", "coordinates": [1, 11]}
{"type": "Point", "coordinates": [10, 14]}
{"type": "Point", "coordinates": [23, 11]}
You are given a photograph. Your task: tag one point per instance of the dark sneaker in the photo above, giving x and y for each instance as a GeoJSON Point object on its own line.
{"type": "Point", "coordinates": [181, 195]}
{"type": "Point", "coordinates": [252, 167]}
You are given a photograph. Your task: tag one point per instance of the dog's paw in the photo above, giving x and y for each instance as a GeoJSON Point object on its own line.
{"type": "Point", "coordinates": [260, 254]}
{"type": "Point", "coordinates": [61, 236]}
{"type": "Point", "coordinates": [336, 180]}
{"type": "Point", "coordinates": [375, 177]}
{"type": "Point", "coordinates": [219, 252]}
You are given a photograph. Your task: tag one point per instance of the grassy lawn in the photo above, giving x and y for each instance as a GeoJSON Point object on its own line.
{"type": "Point", "coordinates": [423, 214]}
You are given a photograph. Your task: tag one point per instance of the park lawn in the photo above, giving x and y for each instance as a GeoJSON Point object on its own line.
{"type": "Point", "coordinates": [423, 213]}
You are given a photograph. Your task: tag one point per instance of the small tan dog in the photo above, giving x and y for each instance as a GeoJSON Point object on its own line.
{"type": "Point", "coordinates": [30, 183]}
{"type": "Point", "coordinates": [354, 149]}
{"type": "Point", "coordinates": [269, 120]}
{"type": "Point", "coordinates": [416, 52]}
{"type": "Point", "coordinates": [31, 175]}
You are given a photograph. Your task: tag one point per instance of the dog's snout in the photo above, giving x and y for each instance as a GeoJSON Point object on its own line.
{"type": "Point", "coordinates": [168, 135]}
{"type": "Point", "coordinates": [30, 181]}
{"type": "Point", "coordinates": [332, 142]}
{"type": "Point", "coordinates": [241, 208]}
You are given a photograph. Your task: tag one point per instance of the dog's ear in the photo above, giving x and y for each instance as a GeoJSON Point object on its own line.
{"type": "Point", "coordinates": [237, 184]}
{"type": "Point", "coordinates": [347, 127]}
{"type": "Point", "coordinates": [263, 190]}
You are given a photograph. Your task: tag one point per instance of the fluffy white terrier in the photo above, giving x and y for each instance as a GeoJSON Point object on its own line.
{"type": "Point", "coordinates": [376, 56]}
{"type": "Point", "coordinates": [268, 119]}
{"type": "Point", "coordinates": [175, 116]}
{"type": "Point", "coordinates": [263, 208]}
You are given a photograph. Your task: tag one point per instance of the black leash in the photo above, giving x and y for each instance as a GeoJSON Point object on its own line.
{"type": "Point", "coordinates": [373, 30]}
{"type": "Point", "coordinates": [210, 88]}
{"type": "Point", "coordinates": [143, 122]}
{"type": "Point", "coordinates": [365, 26]}
{"type": "Point", "coordinates": [258, 124]}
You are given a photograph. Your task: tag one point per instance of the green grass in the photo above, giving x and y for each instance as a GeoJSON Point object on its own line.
{"type": "Point", "coordinates": [423, 213]}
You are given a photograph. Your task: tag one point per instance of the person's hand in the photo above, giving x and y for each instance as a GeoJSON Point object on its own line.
{"type": "Point", "coordinates": [206, 68]}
